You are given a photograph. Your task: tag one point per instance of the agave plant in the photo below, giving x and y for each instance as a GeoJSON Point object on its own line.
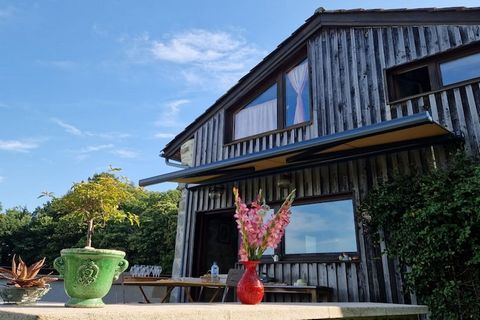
{"type": "Point", "coordinates": [22, 276]}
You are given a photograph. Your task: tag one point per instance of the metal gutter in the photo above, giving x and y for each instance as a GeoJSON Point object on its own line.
{"type": "Point", "coordinates": [337, 138]}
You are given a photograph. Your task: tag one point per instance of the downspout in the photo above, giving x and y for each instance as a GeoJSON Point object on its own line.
{"type": "Point", "coordinates": [176, 165]}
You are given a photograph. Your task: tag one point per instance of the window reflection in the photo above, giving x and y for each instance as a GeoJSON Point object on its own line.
{"type": "Point", "coordinates": [461, 69]}
{"type": "Point", "coordinates": [325, 227]}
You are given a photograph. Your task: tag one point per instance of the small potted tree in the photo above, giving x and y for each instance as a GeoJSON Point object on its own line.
{"type": "Point", "coordinates": [88, 272]}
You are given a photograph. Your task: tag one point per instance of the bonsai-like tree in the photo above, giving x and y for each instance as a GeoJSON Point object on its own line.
{"type": "Point", "coordinates": [96, 201]}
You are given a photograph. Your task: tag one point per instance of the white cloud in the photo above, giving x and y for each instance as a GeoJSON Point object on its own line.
{"type": "Point", "coordinates": [99, 30]}
{"type": "Point", "coordinates": [17, 145]}
{"type": "Point", "coordinates": [205, 59]}
{"type": "Point", "coordinates": [6, 13]}
{"type": "Point", "coordinates": [71, 129]}
{"type": "Point", "coordinates": [2, 179]}
{"type": "Point", "coordinates": [64, 65]}
{"type": "Point", "coordinates": [125, 153]}
{"type": "Point", "coordinates": [68, 127]}
{"type": "Point", "coordinates": [96, 148]}
{"type": "Point", "coordinates": [169, 116]}
{"type": "Point", "coordinates": [220, 56]}
{"type": "Point", "coordinates": [164, 135]}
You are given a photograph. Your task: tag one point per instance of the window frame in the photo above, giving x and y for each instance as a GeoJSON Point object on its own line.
{"type": "Point", "coordinates": [316, 257]}
{"type": "Point", "coordinates": [279, 78]}
{"type": "Point", "coordinates": [432, 62]}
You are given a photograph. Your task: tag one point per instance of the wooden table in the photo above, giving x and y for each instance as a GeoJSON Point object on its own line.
{"type": "Point", "coordinates": [315, 292]}
{"type": "Point", "coordinates": [172, 283]}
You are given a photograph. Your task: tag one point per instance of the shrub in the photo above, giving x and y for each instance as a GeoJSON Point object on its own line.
{"type": "Point", "coordinates": [432, 222]}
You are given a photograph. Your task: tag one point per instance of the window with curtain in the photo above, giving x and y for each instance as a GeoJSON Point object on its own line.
{"type": "Point", "coordinates": [258, 116]}
{"type": "Point", "coordinates": [297, 94]}
{"type": "Point", "coordinates": [284, 104]}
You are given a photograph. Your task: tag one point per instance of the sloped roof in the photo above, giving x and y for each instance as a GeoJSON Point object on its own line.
{"type": "Point", "coordinates": [322, 17]}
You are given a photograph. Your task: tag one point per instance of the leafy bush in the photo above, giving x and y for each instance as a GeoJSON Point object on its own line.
{"type": "Point", "coordinates": [48, 229]}
{"type": "Point", "coordinates": [433, 226]}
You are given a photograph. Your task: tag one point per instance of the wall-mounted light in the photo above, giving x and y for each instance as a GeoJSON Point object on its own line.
{"type": "Point", "coordinates": [284, 181]}
{"type": "Point", "coordinates": [216, 192]}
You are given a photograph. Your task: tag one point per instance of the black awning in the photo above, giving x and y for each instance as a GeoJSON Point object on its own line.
{"type": "Point", "coordinates": [406, 132]}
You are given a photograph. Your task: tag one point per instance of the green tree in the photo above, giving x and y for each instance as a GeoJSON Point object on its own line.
{"type": "Point", "coordinates": [154, 241]}
{"type": "Point", "coordinates": [96, 202]}
{"type": "Point", "coordinates": [52, 227]}
{"type": "Point", "coordinates": [432, 223]}
{"type": "Point", "coordinates": [12, 226]}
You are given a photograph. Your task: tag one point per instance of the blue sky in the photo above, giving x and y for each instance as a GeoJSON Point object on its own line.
{"type": "Point", "coordinates": [88, 84]}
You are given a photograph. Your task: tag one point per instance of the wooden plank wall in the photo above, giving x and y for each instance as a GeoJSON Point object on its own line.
{"type": "Point", "coordinates": [347, 72]}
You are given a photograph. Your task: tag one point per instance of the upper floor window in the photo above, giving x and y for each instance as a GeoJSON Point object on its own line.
{"type": "Point", "coordinates": [282, 104]}
{"type": "Point", "coordinates": [258, 116]}
{"type": "Point", "coordinates": [460, 69]}
{"type": "Point", "coordinates": [297, 95]}
{"type": "Point", "coordinates": [434, 73]}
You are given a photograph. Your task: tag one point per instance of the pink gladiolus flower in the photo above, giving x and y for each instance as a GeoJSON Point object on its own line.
{"type": "Point", "coordinates": [256, 234]}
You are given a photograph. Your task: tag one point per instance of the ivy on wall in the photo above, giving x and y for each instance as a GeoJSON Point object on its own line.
{"type": "Point", "coordinates": [432, 223]}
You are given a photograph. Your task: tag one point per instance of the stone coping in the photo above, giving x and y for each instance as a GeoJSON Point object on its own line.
{"type": "Point", "coordinates": [214, 311]}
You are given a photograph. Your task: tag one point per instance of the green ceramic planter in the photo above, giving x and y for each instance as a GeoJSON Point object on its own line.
{"type": "Point", "coordinates": [88, 274]}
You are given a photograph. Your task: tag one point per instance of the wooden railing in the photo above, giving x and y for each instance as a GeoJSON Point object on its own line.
{"type": "Point", "coordinates": [457, 108]}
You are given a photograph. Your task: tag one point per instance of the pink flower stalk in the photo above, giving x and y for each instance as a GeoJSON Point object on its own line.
{"type": "Point", "coordinates": [257, 235]}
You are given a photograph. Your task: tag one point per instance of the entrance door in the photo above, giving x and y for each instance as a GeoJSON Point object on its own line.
{"type": "Point", "coordinates": [216, 240]}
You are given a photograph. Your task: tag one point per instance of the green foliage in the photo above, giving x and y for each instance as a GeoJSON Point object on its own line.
{"type": "Point", "coordinates": [52, 227]}
{"type": "Point", "coordinates": [433, 226]}
{"type": "Point", "coordinates": [12, 222]}
{"type": "Point", "coordinates": [97, 201]}
{"type": "Point", "coordinates": [156, 235]}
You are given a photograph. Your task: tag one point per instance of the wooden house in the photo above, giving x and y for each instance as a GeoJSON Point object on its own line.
{"type": "Point", "coordinates": [349, 99]}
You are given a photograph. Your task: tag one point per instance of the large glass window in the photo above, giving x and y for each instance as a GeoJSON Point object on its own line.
{"type": "Point", "coordinates": [460, 69]}
{"type": "Point", "coordinates": [258, 116]}
{"type": "Point", "coordinates": [326, 227]}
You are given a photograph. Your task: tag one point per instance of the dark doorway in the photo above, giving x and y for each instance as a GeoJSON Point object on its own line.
{"type": "Point", "coordinates": [216, 240]}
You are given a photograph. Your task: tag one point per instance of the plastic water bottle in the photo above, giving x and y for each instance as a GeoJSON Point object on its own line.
{"type": "Point", "coordinates": [214, 271]}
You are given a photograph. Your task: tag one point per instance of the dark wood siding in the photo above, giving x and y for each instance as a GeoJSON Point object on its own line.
{"type": "Point", "coordinates": [347, 72]}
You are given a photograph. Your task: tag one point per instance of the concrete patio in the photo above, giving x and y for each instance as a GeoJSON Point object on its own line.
{"type": "Point", "coordinates": [216, 311]}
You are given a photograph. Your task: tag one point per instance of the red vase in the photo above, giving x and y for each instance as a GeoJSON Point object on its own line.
{"type": "Point", "coordinates": [250, 288]}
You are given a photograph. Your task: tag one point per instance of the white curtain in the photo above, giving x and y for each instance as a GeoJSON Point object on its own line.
{"type": "Point", "coordinates": [298, 78]}
{"type": "Point", "coordinates": [256, 119]}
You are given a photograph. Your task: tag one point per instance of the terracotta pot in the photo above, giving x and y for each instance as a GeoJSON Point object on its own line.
{"type": "Point", "coordinates": [250, 288]}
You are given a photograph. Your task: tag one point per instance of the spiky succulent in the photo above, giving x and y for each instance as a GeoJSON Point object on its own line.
{"type": "Point", "coordinates": [22, 276]}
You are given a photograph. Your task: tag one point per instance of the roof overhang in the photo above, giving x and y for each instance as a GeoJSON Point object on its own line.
{"type": "Point", "coordinates": [388, 136]}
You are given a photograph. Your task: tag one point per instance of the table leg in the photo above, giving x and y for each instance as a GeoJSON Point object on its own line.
{"type": "Point", "coordinates": [217, 290]}
{"type": "Point", "coordinates": [167, 295]}
{"type": "Point", "coordinates": [144, 295]}
{"type": "Point", "coordinates": [225, 292]}
{"type": "Point", "coordinates": [189, 296]}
